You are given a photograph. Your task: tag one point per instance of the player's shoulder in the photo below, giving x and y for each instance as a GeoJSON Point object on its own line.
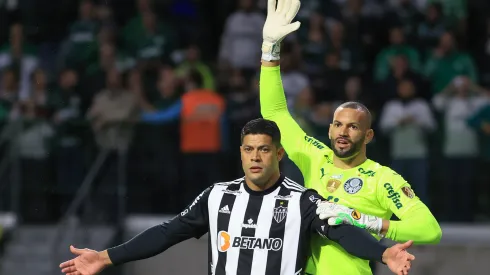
{"type": "Point", "coordinates": [292, 186]}
{"type": "Point", "coordinates": [229, 184]}
{"type": "Point", "coordinates": [373, 168]}
{"type": "Point", "coordinates": [383, 174]}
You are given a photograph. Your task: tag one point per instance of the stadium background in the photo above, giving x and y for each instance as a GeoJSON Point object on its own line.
{"type": "Point", "coordinates": [83, 160]}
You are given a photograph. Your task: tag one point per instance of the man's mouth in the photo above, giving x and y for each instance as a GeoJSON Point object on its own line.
{"type": "Point", "coordinates": [255, 169]}
{"type": "Point", "coordinates": [342, 143]}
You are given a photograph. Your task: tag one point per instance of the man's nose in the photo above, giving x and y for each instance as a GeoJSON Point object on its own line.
{"type": "Point", "coordinates": [344, 132]}
{"type": "Point", "coordinates": [256, 156]}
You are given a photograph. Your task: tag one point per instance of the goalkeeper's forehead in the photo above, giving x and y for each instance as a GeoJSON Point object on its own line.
{"type": "Point", "coordinates": [352, 115]}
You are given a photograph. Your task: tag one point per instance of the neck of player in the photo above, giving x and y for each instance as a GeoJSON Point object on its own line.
{"type": "Point", "coordinates": [262, 187]}
{"type": "Point", "coordinates": [351, 162]}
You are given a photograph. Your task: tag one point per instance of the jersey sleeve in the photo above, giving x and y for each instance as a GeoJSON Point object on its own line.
{"type": "Point", "coordinates": [308, 206]}
{"type": "Point", "coordinates": [355, 241]}
{"type": "Point", "coordinates": [416, 220]}
{"type": "Point", "coordinates": [192, 222]}
{"type": "Point", "coordinates": [302, 149]}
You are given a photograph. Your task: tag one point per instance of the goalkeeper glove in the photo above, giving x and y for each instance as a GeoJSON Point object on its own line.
{"type": "Point", "coordinates": [336, 214]}
{"type": "Point", "coordinates": [277, 26]}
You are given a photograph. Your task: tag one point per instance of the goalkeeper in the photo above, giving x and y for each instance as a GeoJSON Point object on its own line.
{"type": "Point", "coordinates": [342, 174]}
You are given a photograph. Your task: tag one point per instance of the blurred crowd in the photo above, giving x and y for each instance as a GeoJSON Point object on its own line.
{"type": "Point", "coordinates": [167, 86]}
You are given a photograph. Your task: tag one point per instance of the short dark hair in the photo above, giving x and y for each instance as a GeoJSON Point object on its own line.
{"type": "Point", "coordinates": [262, 126]}
{"type": "Point", "coordinates": [361, 107]}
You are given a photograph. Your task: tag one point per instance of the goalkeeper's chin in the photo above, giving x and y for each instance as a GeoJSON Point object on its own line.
{"type": "Point", "coordinates": [345, 154]}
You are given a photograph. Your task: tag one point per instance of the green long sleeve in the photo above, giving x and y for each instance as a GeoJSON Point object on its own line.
{"type": "Point", "coordinates": [305, 151]}
{"type": "Point", "coordinates": [418, 225]}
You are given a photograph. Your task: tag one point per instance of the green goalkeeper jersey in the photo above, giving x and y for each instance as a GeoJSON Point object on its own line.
{"type": "Point", "coordinates": [370, 188]}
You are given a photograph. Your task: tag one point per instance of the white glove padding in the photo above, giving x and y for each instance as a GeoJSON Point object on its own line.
{"type": "Point", "coordinates": [278, 25]}
{"type": "Point", "coordinates": [336, 214]}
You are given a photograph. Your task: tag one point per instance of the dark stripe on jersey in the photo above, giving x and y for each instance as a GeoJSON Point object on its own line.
{"type": "Point", "coordinates": [223, 221]}
{"type": "Point", "coordinates": [274, 258]}
{"type": "Point", "coordinates": [251, 217]}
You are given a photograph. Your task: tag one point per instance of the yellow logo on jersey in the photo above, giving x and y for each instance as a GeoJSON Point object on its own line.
{"type": "Point", "coordinates": [356, 214]}
{"type": "Point", "coordinates": [408, 192]}
{"type": "Point", "coordinates": [332, 185]}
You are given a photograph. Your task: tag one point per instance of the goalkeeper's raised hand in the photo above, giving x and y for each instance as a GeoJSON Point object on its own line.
{"type": "Point", "coordinates": [278, 25]}
{"type": "Point", "coordinates": [336, 214]}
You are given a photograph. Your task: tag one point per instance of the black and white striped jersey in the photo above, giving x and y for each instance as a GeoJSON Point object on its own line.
{"type": "Point", "coordinates": [259, 232]}
{"type": "Point", "coordinates": [250, 232]}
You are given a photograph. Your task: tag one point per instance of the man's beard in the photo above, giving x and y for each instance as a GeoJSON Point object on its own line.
{"type": "Point", "coordinates": [354, 149]}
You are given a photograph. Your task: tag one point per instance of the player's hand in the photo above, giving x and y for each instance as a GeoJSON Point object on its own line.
{"type": "Point", "coordinates": [87, 262]}
{"type": "Point", "coordinates": [398, 259]}
{"type": "Point", "coordinates": [336, 214]}
{"type": "Point", "coordinates": [278, 25]}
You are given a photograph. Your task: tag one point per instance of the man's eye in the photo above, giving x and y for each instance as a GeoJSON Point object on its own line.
{"type": "Point", "coordinates": [354, 127]}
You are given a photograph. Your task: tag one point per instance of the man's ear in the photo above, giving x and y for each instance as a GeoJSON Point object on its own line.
{"type": "Point", "coordinates": [280, 153]}
{"type": "Point", "coordinates": [369, 136]}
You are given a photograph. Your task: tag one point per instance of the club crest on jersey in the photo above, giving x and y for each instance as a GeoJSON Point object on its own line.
{"type": "Point", "coordinates": [408, 192]}
{"type": "Point", "coordinates": [332, 185]}
{"type": "Point", "coordinates": [280, 213]}
{"type": "Point", "coordinates": [353, 185]}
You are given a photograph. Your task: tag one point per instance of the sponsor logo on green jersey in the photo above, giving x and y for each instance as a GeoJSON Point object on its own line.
{"type": "Point", "coordinates": [314, 142]}
{"type": "Point", "coordinates": [329, 160]}
{"type": "Point", "coordinates": [369, 173]}
{"type": "Point", "coordinates": [394, 196]}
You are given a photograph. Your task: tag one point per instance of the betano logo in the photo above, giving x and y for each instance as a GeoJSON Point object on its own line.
{"type": "Point", "coordinates": [225, 242]}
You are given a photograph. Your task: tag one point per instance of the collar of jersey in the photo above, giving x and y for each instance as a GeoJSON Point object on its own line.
{"type": "Point", "coordinates": [265, 192]}
{"type": "Point", "coordinates": [365, 163]}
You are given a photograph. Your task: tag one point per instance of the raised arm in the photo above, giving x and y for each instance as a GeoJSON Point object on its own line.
{"type": "Point", "coordinates": [192, 222]}
{"type": "Point", "coordinates": [298, 145]}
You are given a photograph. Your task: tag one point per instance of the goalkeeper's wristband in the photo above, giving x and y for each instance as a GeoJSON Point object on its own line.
{"type": "Point", "coordinates": [371, 223]}
{"type": "Point", "coordinates": [271, 51]}
{"type": "Point", "coordinates": [374, 225]}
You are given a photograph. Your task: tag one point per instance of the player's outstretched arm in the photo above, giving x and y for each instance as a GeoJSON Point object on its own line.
{"type": "Point", "coordinates": [280, 14]}
{"type": "Point", "coordinates": [192, 222]}
{"type": "Point", "coordinates": [87, 262]}
{"type": "Point", "coordinates": [297, 144]}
